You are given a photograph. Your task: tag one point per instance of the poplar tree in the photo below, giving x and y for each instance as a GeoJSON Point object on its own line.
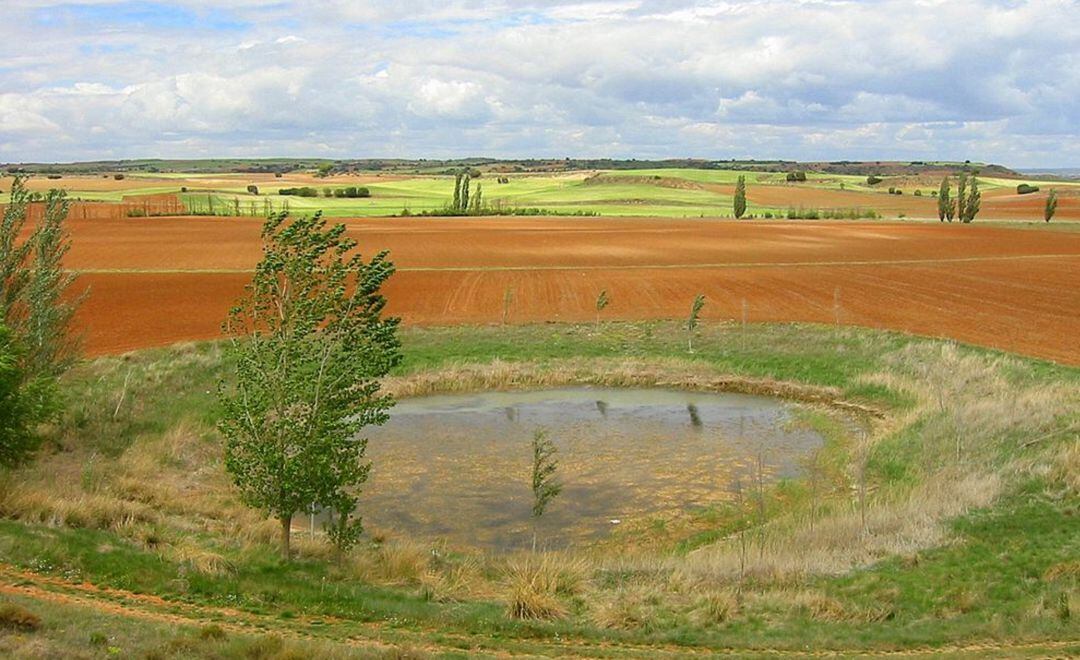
{"type": "Point", "coordinates": [1051, 206]}
{"type": "Point", "coordinates": [972, 203]}
{"type": "Point", "coordinates": [740, 197]}
{"type": "Point", "coordinates": [944, 201]}
{"type": "Point", "coordinates": [310, 345]}
{"type": "Point", "coordinates": [961, 196]}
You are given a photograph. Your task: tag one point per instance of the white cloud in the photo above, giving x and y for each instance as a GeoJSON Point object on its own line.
{"type": "Point", "coordinates": [980, 79]}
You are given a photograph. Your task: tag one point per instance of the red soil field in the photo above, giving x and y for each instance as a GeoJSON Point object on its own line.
{"type": "Point", "coordinates": [155, 281]}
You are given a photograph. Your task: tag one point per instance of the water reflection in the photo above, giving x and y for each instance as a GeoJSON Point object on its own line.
{"type": "Point", "coordinates": [458, 466]}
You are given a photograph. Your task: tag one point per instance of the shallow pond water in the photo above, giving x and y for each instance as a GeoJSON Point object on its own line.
{"type": "Point", "coordinates": [457, 467]}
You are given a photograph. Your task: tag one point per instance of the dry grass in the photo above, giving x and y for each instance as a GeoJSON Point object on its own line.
{"type": "Point", "coordinates": [605, 372]}
{"type": "Point", "coordinates": [18, 618]}
{"type": "Point", "coordinates": [536, 585]}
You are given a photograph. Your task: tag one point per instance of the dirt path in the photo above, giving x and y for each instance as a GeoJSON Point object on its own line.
{"type": "Point", "coordinates": [378, 637]}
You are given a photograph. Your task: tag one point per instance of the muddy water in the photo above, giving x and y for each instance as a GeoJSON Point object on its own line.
{"type": "Point", "coordinates": [457, 467]}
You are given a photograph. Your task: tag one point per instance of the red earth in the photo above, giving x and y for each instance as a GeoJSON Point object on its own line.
{"type": "Point", "coordinates": [156, 281]}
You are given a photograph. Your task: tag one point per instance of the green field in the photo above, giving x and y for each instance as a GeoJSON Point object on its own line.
{"type": "Point", "coordinates": [657, 192]}
{"type": "Point", "coordinates": [967, 546]}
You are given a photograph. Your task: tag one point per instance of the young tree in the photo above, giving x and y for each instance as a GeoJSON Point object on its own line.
{"type": "Point", "coordinates": [602, 301]}
{"type": "Point", "coordinates": [970, 208]}
{"type": "Point", "coordinates": [464, 194]}
{"type": "Point", "coordinates": [1051, 206]}
{"type": "Point", "coordinates": [740, 197]}
{"type": "Point", "coordinates": [457, 193]}
{"type": "Point", "coordinates": [475, 204]}
{"type": "Point", "coordinates": [310, 344]}
{"type": "Point", "coordinates": [692, 321]}
{"type": "Point", "coordinates": [36, 344]}
{"type": "Point", "coordinates": [961, 196]}
{"type": "Point", "coordinates": [544, 485]}
{"type": "Point", "coordinates": [944, 201]}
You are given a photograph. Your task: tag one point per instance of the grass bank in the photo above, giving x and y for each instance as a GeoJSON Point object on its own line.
{"type": "Point", "coordinates": [951, 523]}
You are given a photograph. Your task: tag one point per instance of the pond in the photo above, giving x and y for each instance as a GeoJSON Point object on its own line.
{"type": "Point", "coordinates": [457, 467]}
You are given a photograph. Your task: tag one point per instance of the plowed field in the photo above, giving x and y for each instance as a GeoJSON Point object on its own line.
{"type": "Point", "coordinates": [155, 281]}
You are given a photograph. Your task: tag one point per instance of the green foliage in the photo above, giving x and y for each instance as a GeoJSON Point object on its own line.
{"type": "Point", "coordinates": [24, 402]}
{"type": "Point", "coordinates": [252, 189]}
{"type": "Point", "coordinates": [970, 207]}
{"type": "Point", "coordinates": [324, 170]}
{"type": "Point", "coordinates": [299, 192]}
{"type": "Point", "coordinates": [1051, 206]}
{"type": "Point", "coordinates": [739, 202]}
{"type": "Point", "coordinates": [873, 180]}
{"type": "Point", "coordinates": [310, 343]}
{"type": "Point", "coordinates": [944, 201]}
{"type": "Point", "coordinates": [961, 196]}
{"type": "Point", "coordinates": [793, 177]}
{"type": "Point", "coordinates": [36, 346]}
{"type": "Point", "coordinates": [1026, 189]}
{"type": "Point", "coordinates": [544, 466]}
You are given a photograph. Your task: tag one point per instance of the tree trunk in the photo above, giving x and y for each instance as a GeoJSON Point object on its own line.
{"type": "Point", "coordinates": [286, 536]}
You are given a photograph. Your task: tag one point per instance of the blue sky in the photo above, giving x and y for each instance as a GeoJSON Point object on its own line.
{"type": "Point", "coordinates": [804, 79]}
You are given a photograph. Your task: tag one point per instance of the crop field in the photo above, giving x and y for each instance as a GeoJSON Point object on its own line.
{"type": "Point", "coordinates": [155, 281]}
{"type": "Point", "coordinates": [671, 193]}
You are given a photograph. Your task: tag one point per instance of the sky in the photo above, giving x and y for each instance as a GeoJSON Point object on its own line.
{"type": "Point", "coordinates": [985, 80]}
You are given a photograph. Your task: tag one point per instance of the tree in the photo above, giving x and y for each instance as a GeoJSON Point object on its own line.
{"type": "Point", "coordinates": [944, 201]}
{"type": "Point", "coordinates": [476, 201]}
{"type": "Point", "coordinates": [972, 203]}
{"type": "Point", "coordinates": [36, 343]}
{"type": "Point", "coordinates": [45, 329]}
{"type": "Point", "coordinates": [692, 321]}
{"type": "Point", "coordinates": [740, 197]}
{"type": "Point", "coordinates": [602, 301]}
{"type": "Point", "coordinates": [457, 192]}
{"type": "Point", "coordinates": [1051, 206]}
{"type": "Point", "coordinates": [961, 196]}
{"type": "Point", "coordinates": [23, 403]}
{"type": "Point", "coordinates": [310, 344]}
{"type": "Point", "coordinates": [544, 485]}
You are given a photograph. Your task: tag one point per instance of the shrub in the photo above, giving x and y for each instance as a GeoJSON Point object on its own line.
{"type": "Point", "coordinates": [183, 189]}
{"type": "Point", "coordinates": [328, 192]}
{"type": "Point", "coordinates": [253, 189]}
{"type": "Point", "coordinates": [873, 180]}
{"type": "Point", "coordinates": [277, 175]}
{"type": "Point", "coordinates": [918, 193]}
{"type": "Point", "coordinates": [796, 176]}
{"type": "Point", "coordinates": [299, 192]}
{"type": "Point", "coordinates": [17, 617]}
{"type": "Point", "coordinates": [55, 176]}
{"type": "Point", "coordinates": [1026, 189]}
{"type": "Point", "coordinates": [118, 177]}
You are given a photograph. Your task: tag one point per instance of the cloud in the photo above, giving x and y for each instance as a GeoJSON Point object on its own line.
{"type": "Point", "coordinates": [811, 79]}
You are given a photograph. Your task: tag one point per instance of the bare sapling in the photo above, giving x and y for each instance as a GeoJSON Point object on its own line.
{"type": "Point", "coordinates": [692, 321]}
{"type": "Point", "coordinates": [545, 485]}
{"type": "Point", "coordinates": [508, 299]}
{"type": "Point", "coordinates": [602, 301]}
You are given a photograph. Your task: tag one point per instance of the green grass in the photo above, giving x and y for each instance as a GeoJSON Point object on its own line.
{"type": "Point", "coordinates": [987, 582]}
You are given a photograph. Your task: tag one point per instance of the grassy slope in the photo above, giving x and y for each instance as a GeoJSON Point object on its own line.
{"type": "Point", "coordinates": [995, 580]}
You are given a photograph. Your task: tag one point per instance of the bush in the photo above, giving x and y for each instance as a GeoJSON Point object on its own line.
{"type": "Point", "coordinates": [299, 192]}
{"type": "Point", "coordinates": [873, 180]}
{"type": "Point", "coordinates": [918, 193]}
{"type": "Point", "coordinates": [1026, 189]}
{"type": "Point", "coordinates": [277, 175]}
{"type": "Point", "coordinates": [118, 177]}
{"type": "Point", "coordinates": [253, 189]}
{"type": "Point", "coordinates": [17, 617]}
{"type": "Point", "coordinates": [796, 176]}
{"type": "Point", "coordinates": [328, 192]}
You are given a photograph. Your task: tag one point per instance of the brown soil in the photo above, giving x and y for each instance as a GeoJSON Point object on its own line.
{"type": "Point", "coordinates": [155, 281]}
